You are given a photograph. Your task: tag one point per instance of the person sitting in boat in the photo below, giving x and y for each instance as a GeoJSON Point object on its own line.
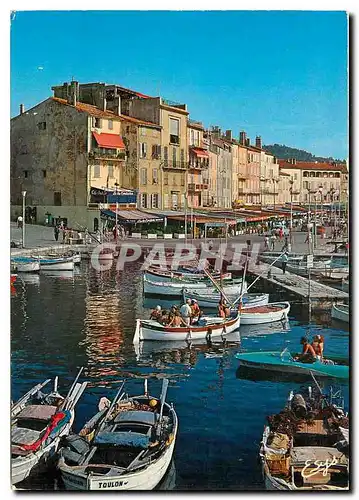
{"type": "Point", "coordinates": [164, 319]}
{"type": "Point", "coordinates": [318, 346]}
{"type": "Point", "coordinates": [186, 312]}
{"type": "Point", "coordinates": [156, 313]}
{"type": "Point", "coordinates": [177, 320]}
{"type": "Point", "coordinates": [195, 309]}
{"type": "Point", "coordinates": [308, 354]}
{"type": "Point", "coordinates": [221, 312]}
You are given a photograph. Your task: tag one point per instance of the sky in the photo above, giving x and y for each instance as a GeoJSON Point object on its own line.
{"type": "Point", "coordinates": [278, 74]}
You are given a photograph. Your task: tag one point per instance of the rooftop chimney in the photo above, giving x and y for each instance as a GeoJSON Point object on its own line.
{"type": "Point", "coordinates": [248, 141]}
{"type": "Point", "coordinates": [258, 142]}
{"type": "Point", "coordinates": [22, 109]}
{"type": "Point", "coordinates": [73, 93]}
{"type": "Point", "coordinates": [229, 135]}
{"type": "Point", "coordinates": [242, 138]}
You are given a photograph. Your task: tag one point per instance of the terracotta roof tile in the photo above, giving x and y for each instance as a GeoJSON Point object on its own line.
{"type": "Point", "coordinates": [304, 165]}
{"type": "Point", "coordinates": [95, 111]}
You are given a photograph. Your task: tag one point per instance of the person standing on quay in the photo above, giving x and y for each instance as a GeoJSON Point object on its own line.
{"type": "Point", "coordinates": [266, 243]}
{"type": "Point", "coordinates": [272, 241]}
{"type": "Point", "coordinates": [56, 233]}
{"type": "Point", "coordinates": [284, 260]}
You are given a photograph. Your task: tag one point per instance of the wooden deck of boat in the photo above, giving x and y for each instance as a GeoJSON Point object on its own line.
{"type": "Point", "coordinates": [322, 295]}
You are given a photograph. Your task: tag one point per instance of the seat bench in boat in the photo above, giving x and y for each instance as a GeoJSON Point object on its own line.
{"type": "Point", "coordinates": [302, 454]}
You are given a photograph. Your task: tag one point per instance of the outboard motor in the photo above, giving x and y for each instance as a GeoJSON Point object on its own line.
{"type": "Point", "coordinates": [298, 406]}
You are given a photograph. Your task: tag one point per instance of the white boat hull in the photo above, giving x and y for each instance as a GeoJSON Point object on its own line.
{"type": "Point", "coordinates": [22, 467]}
{"type": "Point", "coordinates": [58, 266]}
{"type": "Point", "coordinates": [151, 330]}
{"type": "Point", "coordinates": [253, 318]}
{"type": "Point", "coordinates": [28, 267]}
{"type": "Point", "coordinates": [210, 302]}
{"type": "Point", "coordinates": [145, 479]}
{"type": "Point", "coordinates": [175, 289]}
{"type": "Point", "coordinates": [341, 313]}
{"type": "Point", "coordinates": [186, 277]}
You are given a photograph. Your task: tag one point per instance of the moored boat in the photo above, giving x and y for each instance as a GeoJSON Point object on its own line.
{"type": "Point", "coordinates": [153, 330]}
{"type": "Point", "coordinates": [56, 263]}
{"type": "Point", "coordinates": [284, 361]}
{"type": "Point", "coordinates": [176, 276]}
{"type": "Point", "coordinates": [340, 312]}
{"type": "Point", "coordinates": [210, 301]}
{"type": "Point", "coordinates": [38, 422]}
{"type": "Point", "coordinates": [25, 264]}
{"type": "Point", "coordinates": [269, 313]}
{"type": "Point", "coordinates": [306, 446]}
{"type": "Point", "coordinates": [175, 289]}
{"type": "Point", "coordinates": [128, 445]}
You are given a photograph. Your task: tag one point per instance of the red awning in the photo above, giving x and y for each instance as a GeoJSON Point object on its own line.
{"type": "Point", "coordinates": [111, 141]}
{"type": "Point", "coordinates": [200, 153]}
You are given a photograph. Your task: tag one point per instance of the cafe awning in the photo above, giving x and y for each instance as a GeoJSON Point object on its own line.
{"type": "Point", "coordinates": [200, 153]}
{"type": "Point", "coordinates": [110, 141]}
{"type": "Point", "coordinates": [130, 216]}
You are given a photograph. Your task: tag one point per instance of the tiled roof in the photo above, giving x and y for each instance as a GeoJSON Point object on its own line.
{"type": "Point", "coordinates": [99, 113]}
{"type": "Point", "coordinates": [304, 165]}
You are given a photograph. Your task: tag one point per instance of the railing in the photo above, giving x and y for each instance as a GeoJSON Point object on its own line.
{"type": "Point", "coordinates": [113, 155]}
{"type": "Point", "coordinates": [194, 122]}
{"type": "Point", "coordinates": [174, 165]}
{"type": "Point", "coordinates": [174, 139]}
{"type": "Point", "coordinates": [167, 102]}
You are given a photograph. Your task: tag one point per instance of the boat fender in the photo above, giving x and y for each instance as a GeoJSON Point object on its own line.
{"type": "Point", "coordinates": [298, 406]}
{"type": "Point", "coordinates": [209, 334]}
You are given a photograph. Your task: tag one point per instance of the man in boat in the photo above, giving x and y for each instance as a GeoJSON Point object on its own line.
{"type": "Point", "coordinates": [308, 354]}
{"type": "Point", "coordinates": [196, 312]}
{"type": "Point", "coordinates": [156, 313]}
{"type": "Point", "coordinates": [186, 312]}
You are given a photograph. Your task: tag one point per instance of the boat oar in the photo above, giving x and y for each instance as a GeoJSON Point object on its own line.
{"type": "Point", "coordinates": [319, 388]}
{"type": "Point", "coordinates": [64, 403]}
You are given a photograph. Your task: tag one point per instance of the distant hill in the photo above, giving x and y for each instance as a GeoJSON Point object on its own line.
{"type": "Point", "coordinates": [284, 152]}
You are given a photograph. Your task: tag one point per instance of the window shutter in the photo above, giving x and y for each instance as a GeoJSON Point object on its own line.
{"type": "Point", "coordinates": [165, 155]}
{"type": "Point", "coordinates": [144, 149]}
{"type": "Point", "coordinates": [159, 151]}
{"type": "Point", "coordinates": [153, 150]}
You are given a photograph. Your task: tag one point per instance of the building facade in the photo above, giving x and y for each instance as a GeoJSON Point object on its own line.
{"type": "Point", "coordinates": [198, 166]}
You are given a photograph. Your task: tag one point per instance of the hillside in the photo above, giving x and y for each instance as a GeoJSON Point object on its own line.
{"type": "Point", "coordinates": [284, 152]}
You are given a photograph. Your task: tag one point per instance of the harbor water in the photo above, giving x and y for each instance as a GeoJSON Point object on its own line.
{"type": "Point", "coordinates": [61, 321]}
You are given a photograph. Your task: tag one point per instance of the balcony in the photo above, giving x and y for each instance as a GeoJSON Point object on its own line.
{"type": "Point", "coordinates": [198, 164]}
{"type": "Point", "coordinates": [192, 188]}
{"type": "Point", "coordinates": [174, 165]}
{"type": "Point", "coordinates": [110, 154]}
{"type": "Point", "coordinates": [174, 139]}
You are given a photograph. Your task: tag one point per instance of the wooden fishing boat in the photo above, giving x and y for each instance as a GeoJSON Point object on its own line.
{"type": "Point", "coordinates": [211, 327]}
{"type": "Point", "coordinates": [38, 422]}
{"type": "Point", "coordinates": [126, 446]}
{"type": "Point", "coordinates": [25, 264]}
{"type": "Point", "coordinates": [306, 446]}
{"type": "Point", "coordinates": [336, 275]}
{"type": "Point", "coordinates": [175, 276]}
{"type": "Point", "coordinates": [56, 263]}
{"type": "Point", "coordinates": [269, 313]}
{"type": "Point", "coordinates": [211, 301]}
{"type": "Point", "coordinates": [332, 366]}
{"type": "Point", "coordinates": [175, 289]}
{"type": "Point", "coordinates": [340, 312]}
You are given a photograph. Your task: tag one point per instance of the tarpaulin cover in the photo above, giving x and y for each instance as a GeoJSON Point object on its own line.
{"type": "Point", "coordinates": [130, 439]}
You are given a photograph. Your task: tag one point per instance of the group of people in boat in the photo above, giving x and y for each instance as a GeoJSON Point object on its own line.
{"type": "Point", "coordinates": [188, 314]}
{"type": "Point", "coordinates": [224, 310]}
{"type": "Point", "coordinates": [311, 351]}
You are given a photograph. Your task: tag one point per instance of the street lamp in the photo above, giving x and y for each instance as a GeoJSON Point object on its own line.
{"type": "Point", "coordinates": [23, 218]}
{"type": "Point", "coordinates": [320, 191]}
{"type": "Point", "coordinates": [291, 182]}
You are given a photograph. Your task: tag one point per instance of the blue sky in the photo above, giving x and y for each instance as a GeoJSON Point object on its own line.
{"type": "Point", "coordinates": [281, 75]}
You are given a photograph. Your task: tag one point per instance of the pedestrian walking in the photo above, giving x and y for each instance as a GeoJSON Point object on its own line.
{"type": "Point", "coordinates": [286, 244]}
{"type": "Point", "coordinates": [63, 235]}
{"type": "Point", "coordinates": [273, 239]}
{"type": "Point", "coordinates": [280, 233]}
{"type": "Point", "coordinates": [284, 260]}
{"type": "Point", "coordinates": [266, 243]}
{"type": "Point", "coordinates": [56, 233]}
{"type": "Point", "coordinates": [19, 222]}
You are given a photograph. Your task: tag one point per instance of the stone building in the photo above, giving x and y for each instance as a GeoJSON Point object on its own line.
{"type": "Point", "coordinates": [171, 157]}
{"type": "Point", "coordinates": [220, 170]}
{"type": "Point", "coordinates": [324, 182]}
{"type": "Point", "coordinates": [198, 165]}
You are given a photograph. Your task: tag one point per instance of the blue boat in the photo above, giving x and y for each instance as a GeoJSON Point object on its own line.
{"type": "Point", "coordinates": [48, 263]}
{"type": "Point", "coordinates": [284, 362]}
